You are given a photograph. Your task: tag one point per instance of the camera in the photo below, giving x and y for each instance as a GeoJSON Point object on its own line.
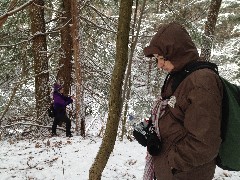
{"type": "Point", "coordinates": [146, 135]}
{"type": "Point", "coordinates": [140, 133]}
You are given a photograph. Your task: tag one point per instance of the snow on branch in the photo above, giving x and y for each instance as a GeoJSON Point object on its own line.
{"type": "Point", "coordinates": [4, 17]}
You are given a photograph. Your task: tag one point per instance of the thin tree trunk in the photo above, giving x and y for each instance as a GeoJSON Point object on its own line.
{"type": "Point", "coordinates": [128, 75]}
{"type": "Point", "coordinates": [127, 81]}
{"type": "Point", "coordinates": [124, 129]}
{"type": "Point", "coordinates": [65, 63]}
{"type": "Point", "coordinates": [115, 99]}
{"type": "Point", "coordinates": [39, 49]}
{"type": "Point", "coordinates": [210, 25]}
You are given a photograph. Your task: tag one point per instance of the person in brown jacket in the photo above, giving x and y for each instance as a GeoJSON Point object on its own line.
{"type": "Point", "coordinates": [189, 129]}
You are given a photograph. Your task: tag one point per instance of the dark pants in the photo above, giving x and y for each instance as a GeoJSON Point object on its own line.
{"type": "Point", "coordinates": [59, 118]}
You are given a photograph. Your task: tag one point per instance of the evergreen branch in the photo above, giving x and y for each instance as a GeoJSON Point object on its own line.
{"type": "Point", "coordinates": [4, 17]}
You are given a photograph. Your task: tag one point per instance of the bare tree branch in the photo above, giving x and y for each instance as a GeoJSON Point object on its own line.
{"type": "Point", "coordinates": [48, 8]}
{"type": "Point", "coordinates": [10, 12]}
{"type": "Point", "coordinates": [88, 21]}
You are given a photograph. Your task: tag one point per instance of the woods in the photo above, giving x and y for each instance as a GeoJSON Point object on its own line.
{"type": "Point", "coordinates": [95, 50]}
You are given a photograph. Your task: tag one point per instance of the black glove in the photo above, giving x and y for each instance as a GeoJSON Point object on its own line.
{"type": "Point", "coordinates": [145, 134]}
{"type": "Point", "coordinates": [140, 134]}
{"type": "Point", "coordinates": [154, 144]}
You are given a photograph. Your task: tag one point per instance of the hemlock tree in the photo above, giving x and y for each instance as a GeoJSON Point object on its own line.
{"type": "Point", "coordinates": [115, 99]}
{"type": "Point", "coordinates": [39, 50]}
{"type": "Point", "coordinates": [75, 31]}
{"type": "Point", "coordinates": [65, 62]}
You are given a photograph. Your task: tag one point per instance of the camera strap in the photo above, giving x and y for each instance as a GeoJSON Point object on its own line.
{"type": "Point", "coordinates": [157, 112]}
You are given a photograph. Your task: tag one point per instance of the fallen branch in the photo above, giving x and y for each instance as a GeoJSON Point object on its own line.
{"type": "Point", "coordinates": [30, 124]}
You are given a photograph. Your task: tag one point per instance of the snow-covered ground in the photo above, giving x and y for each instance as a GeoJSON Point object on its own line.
{"type": "Point", "coordinates": [61, 158]}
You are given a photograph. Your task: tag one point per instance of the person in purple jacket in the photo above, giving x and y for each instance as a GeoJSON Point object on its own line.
{"type": "Point", "coordinates": [60, 103]}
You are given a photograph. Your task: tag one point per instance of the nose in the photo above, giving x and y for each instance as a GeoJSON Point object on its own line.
{"type": "Point", "coordinates": [161, 63]}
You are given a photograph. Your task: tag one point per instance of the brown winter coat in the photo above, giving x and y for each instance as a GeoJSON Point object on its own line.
{"type": "Point", "coordinates": [190, 130]}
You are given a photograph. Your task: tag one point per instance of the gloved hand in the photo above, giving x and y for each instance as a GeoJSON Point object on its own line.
{"type": "Point", "coordinates": [154, 144]}
{"type": "Point", "coordinates": [140, 133]}
{"type": "Point", "coordinates": [145, 134]}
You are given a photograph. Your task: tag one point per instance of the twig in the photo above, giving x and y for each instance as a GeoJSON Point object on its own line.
{"type": "Point", "coordinates": [4, 17]}
{"type": "Point", "coordinates": [87, 20]}
{"type": "Point", "coordinates": [29, 164]}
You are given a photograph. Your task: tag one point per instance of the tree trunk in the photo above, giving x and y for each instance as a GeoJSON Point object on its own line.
{"type": "Point", "coordinates": [65, 63]}
{"type": "Point", "coordinates": [77, 62]}
{"type": "Point", "coordinates": [124, 129]}
{"type": "Point", "coordinates": [39, 50]}
{"type": "Point", "coordinates": [115, 99]}
{"type": "Point", "coordinates": [210, 25]}
{"type": "Point", "coordinates": [127, 81]}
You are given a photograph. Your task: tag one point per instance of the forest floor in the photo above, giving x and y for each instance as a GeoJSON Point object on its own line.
{"type": "Point", "coordinates": [62, 158]}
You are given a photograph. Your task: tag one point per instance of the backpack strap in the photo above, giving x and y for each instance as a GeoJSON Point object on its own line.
{"type": "Point", "coordinates": [178, 77]}
{"type": "Point", "coordinates": [201, 65]}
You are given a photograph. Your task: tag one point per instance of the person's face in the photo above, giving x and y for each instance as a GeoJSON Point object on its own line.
{"type": "Point", "coordinates": [164, 64]}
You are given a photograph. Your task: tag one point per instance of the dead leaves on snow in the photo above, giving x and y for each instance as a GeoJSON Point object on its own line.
{"type": "Point", "coordinates": [57, 144]}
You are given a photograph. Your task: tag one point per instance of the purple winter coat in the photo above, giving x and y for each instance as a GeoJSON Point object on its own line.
{"type": "Point", "coordinates": [60, 102]}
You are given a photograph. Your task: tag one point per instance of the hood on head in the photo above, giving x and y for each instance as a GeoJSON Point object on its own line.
{"type": "Point", "coordinates": [173, 42]}
{"type": "Point", "coordinates": [57, 87]}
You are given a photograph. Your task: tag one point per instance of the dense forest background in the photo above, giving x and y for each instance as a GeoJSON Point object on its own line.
{"type": "Point", "coordinates": [95, 50]}
{"type": "Point", "coordinates": [74, 43]}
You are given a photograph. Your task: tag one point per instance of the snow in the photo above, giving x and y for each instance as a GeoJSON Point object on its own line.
{"type": "Point", "coordinates": [62, 158]}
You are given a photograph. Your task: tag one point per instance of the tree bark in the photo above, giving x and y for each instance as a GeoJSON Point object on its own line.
{"type": "Point", "coordinates": [115, 99]}
{"type": "Point", "coordinates": [124, 129]}
{"type": "Point", "coordinates": [77, 62]}
{"type": "Point", "coordinates": [210, 25]}
{"type": "Point", "coordinates": [127, 81]}
{"type": "Point", "coordinates": [65, 63]}
{"type": "Point", "coordinates": [39, 50]}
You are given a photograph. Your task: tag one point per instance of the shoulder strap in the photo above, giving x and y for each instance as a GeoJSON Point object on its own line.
{"type": "Point", "coordinates": [180, 76]}
{"type": "Point", "coordinates": [201, 65]}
